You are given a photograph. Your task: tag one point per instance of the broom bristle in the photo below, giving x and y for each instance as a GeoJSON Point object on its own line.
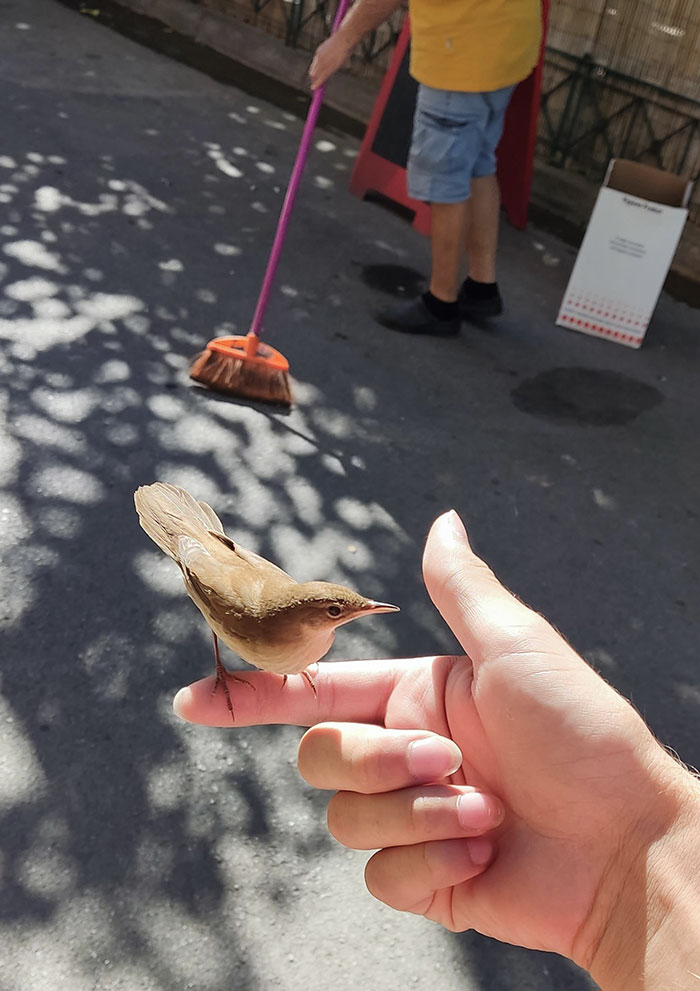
{"type": "Point", "coordinates": [238, 377]}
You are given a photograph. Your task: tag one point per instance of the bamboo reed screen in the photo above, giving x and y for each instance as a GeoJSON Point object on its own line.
{"type": "Point", "coordinates": [657, 41]}
{"type": "Point", "coordinates": [644, 86]}
{"type": "Point", "coordinates": [646, 56]}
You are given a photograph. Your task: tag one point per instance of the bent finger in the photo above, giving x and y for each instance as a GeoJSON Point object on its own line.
{"type": "Point", "coordinates": [369, 758]}
{"type": "Point", "coordinates": [407, 878]}
{"type": "Point", "coordinates": [411, 816]}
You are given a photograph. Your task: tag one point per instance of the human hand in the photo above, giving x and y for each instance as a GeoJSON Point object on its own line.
{"type": "Point", "coordinates": [330, 56]}
{"type": "Point", "coordinates": [587, 792]}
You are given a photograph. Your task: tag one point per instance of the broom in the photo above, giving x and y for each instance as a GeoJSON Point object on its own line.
{"type": "Point", "coordinates": [244, 366]}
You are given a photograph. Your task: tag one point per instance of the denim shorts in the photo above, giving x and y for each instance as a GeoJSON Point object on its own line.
{"type": "Point", "coordinates": [455, 136]}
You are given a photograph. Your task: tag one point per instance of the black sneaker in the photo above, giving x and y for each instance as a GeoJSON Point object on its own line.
{"type": "Point", "coordinates": [416, 318]}
{"type": "Point", "coordinates": [474, 308]}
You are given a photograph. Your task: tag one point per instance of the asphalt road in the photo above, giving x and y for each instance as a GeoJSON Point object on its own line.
{"type": "Point", "coordinates": [138, 200]}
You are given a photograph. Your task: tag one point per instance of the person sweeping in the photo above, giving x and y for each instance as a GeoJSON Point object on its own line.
{"type": "Point", "coordinates": [467, 56]}
{"type": "Point", "coordinates": [245, 366]}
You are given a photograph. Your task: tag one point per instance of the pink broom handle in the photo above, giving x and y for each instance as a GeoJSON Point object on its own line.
{"type": "Point", "coordinates": [295, 179]}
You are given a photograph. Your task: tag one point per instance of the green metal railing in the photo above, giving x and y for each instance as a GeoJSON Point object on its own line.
{"type": "Point", "coordinates": [590, 114]}
{"type": "Point", "coordinates": [305, 23]}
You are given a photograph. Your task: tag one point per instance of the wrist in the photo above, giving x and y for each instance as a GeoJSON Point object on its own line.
{"type": "Point", "coordinates": [645, 932]}
{"type": "Point", "coordinates": [363, 17]}
{"type": "Point", "coordinates": [348, 37]}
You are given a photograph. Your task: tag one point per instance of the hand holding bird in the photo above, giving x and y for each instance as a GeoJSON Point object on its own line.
{"type": "Point", "coordinates": [270, 620]}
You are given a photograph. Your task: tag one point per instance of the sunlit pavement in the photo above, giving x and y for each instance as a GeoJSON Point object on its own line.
{"type": "Point", "coordinates": [138, 200]}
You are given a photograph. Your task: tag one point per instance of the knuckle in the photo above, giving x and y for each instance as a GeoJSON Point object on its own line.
{"type": "Point", "coordinates": [433, 858]}
{"type": "Point", "coordinates": [428, 816]}
{"type": "Point", "coordinates": [365, 768]}
{"type": "Point", "coordinates": [373, 875]}
{"type": "Point", "coordinates": [308, 758]}
{"type": "Point", "coordinates": [415, 816]}
{"type": "Point", "coordinates": [459, 580]}
{"type": "Point", "coordinates": [341, 819]}
{"type": "Point", "coordinates": [528, 633]}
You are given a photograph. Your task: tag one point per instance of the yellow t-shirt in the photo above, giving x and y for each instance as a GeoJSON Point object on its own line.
{"type": "Point", "coordinates": [474, 45]}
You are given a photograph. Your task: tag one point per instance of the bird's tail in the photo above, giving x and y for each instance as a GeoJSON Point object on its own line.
{"type": "Point", "coordinates": [167, 512]}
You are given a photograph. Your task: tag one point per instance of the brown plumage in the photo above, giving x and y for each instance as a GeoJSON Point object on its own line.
{"type": "Point", "coordinates": [270, 620]}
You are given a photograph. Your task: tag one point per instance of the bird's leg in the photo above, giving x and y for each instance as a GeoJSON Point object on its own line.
{"type": "Point", "coordinates": [221, 677]}
{"type": "Point", "coordinates": [307, 676]}
{"type": "Point", "coordinates": [285, 678]}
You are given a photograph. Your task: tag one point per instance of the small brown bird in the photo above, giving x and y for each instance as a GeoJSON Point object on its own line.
{"type": "Point", "coordinates": [270, 620]}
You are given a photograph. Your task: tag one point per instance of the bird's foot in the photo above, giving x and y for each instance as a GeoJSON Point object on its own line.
{"type": "Point", "coordinates": [222, 676]}
{"type": "Point", "coordinates": [221, 680]}
{"type": "Point", "coordinates": [307, 677]}
{"type": "Point", "coordinates": [310, 680]}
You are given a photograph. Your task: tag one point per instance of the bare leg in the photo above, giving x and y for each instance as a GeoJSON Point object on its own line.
{"type": "Point", "coordinates": [449, 221]}
{"type": "Point", "coordinates": [482, 228]}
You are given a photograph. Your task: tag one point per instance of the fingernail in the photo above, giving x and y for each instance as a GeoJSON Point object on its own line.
{"type": "Point", "coordinates": [457, 527]}
{"type": "Point", "coordinates": [181, 698]}
{"type": "Point", "coordinates": [480, 850]}
{"type": "Point", "coordinates": [433, 758]}
{"type": "Point", "coordinates": [477, 811]}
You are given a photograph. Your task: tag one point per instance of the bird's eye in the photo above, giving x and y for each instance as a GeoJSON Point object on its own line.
{"type": "Point", "coordinates": [334, 611]}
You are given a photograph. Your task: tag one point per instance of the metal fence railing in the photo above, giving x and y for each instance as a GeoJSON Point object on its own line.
{"type": "Point", "coordinates": [589, 112]}
{"type": "Point", "coordinates": [305, 23]}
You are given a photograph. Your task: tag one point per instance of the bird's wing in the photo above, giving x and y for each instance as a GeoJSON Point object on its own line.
{"type": "Point", "coordinates": [215, 524]}
{"type": "Point", "coordinates": [167, 512]}
{"type": "Point", "coordinates": [251, 559]}
{"type": "Point", "coordinates": [231, 610]}
{"type": "Point", "coordinates": [228, 619]}
{"type": "Point", "coordinates": [231, 574]}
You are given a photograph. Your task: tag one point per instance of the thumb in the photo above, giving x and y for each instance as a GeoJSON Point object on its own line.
{"type": "Point", "coordinates": [487, 620]}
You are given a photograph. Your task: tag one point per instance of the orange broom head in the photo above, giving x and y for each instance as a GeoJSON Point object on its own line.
{"type": "Point", "coordinates": [243, 366]}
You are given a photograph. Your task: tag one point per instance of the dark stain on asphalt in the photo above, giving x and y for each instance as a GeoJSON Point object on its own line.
{"type": "Point", "coordinates": [588, 396]}
{"type": "Point", "coordinates": [395, 280]}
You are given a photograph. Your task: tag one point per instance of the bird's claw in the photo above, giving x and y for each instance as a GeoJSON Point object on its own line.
{"type": "Point", "coordinates": [310, 680]}
{"type": "Point", "coordinates": [221, 680]}
{"type": "Point", "coordinates": [307, 677]}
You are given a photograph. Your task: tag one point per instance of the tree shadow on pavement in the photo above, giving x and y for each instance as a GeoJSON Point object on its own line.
{"type": "Point", "coordinates": [132, 838]}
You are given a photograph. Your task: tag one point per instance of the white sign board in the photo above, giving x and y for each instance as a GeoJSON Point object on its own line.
{"type": "Point", "coordinates": [621, 267]}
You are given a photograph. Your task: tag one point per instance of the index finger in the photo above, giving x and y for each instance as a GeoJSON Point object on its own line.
{"type": "Point", "coordinates": [346, 691]}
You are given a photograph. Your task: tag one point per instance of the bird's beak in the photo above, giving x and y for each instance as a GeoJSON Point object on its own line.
{"type": "Point", "coordinates": [376, 607]}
